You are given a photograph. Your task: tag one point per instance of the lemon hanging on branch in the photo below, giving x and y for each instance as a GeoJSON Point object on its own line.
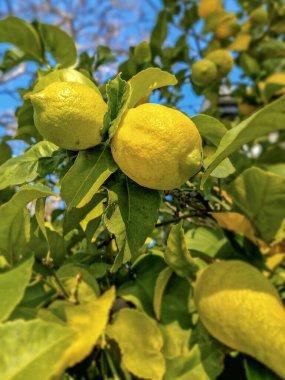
{"type": "Point", "coordinates": [242, 309]}
{"type": "Point", "coordinates": [69, 114]}
{"type": "Point", "coordinates": [204, 72]}
{"type": "Point", "coordinates": [157, 147]}
{"type": "Point", "coordinates": [206, 7]}
{"type": "Point", "coordinates": [223, 61]}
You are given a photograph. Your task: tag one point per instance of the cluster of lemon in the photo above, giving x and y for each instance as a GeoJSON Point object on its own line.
{"type": "Point", "coordinates": [156, 146]}
{"type": "Point", "coordinates": [216, 65]}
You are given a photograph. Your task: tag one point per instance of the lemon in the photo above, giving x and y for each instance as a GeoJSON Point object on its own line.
{"type": "Point", "coordinates": [206, 7]}
{"type": "Point", "coordinates": [223, 61]}
{"type": "Point", "coordinates": [157, 147]}
{"type": "Point", "coordinates": [258, 17]}
{"type": "Point", "coordinates": [204, 72]}
{"type": "Point", "coordinates": [69, 114]}
{"type": "Point", "coordinates": [241, 308]}
{"type": "Point", "coordinates": [227, 28]}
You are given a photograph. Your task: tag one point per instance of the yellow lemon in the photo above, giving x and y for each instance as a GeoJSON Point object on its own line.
{"type": "Point", "coordinates": [204, 72]}
{"type": "Point", "coordinates": [69, 114]}
{"type": "Point", "coordinates": [206, 7]}
{"type": "Point", "coordinates": [223, 61]}
{"type": "Point", "coordinates": [227, 28]}
{"type": "Point", "coordinates": [242, 309]}
{"type": "Point", "coordinates": [157, 147]}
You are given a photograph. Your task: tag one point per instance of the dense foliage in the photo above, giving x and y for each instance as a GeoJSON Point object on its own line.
{"type": "Point", "coordinates": [97, 272]}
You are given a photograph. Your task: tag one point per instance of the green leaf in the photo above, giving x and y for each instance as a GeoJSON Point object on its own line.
{"type": "Point", "coordinates": [140, 291]}
{"type": "Point", "coordinates": [12, 286]}
{"type": "Point", "coordinates": [90, 170]}
{"type": "Point", "coordinates": [59, 44]}
{"type": "Point", "coordinates": [11, 213]}
{"type": "Point", "coordinates": [191, 354]}
{"type": "Point", "coordinates": [20, 33]}
{"type": "Point", "coordinates": [268, 119]}
{"type": "Point", "coordinates": [140, 342]}
{"type": "Point", "coordinates": [118, 94]}
{"type": "Point", "coordinates": [12, 58]}
{"type": "Point", "coordinates": [205, 240]}
{"type": "Point", "coordinates": [21, 169]}
{"type": "Point", "coordinates": [175, 302]}
{"type": "Point", "coordinates": [160, 286]}
{"type": "Point", "coordinates": [5, 153]}
{"type": "Point", "coordinates": [143, 83]}
{"type": "Point", "coordinates": [130, 206]}
{"type": "Point", "coordinates": [260, 197]}
{"type": "Point", "coordinates": [77, 278]}
{"type": "Point", "coordinates": [273, 49]}
{"type": "Point", "coordinates": [64, 75]}
{"type": "Point", "coordinates": [212, 130]}
{"type": "Point", "coordinates": [177, 254]}
{"type": "Point", "coordinates": [159, 32]}
{"type": "Point", "coordinates": [256, 371]}
{"type": "Point", "coordinates": [32, 349]}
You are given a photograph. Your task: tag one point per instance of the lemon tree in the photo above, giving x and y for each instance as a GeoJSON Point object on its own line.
{"type": "Point", "coordinates": [141, 237]}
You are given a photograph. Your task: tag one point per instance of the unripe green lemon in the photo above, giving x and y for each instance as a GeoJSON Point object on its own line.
{"type": "Point", "coordinates": [206, 7]}
{"type": "Point", "coordinates": [242, 309]}
{"type": "Point", "coordinates": [157, 147]}
{"type": "Point", "coordinates": [258, 17]}
{"type": "Point", "coordinates": [204, 72]}
{"type": "Point", "coordinates": [69, 114]}
{"type": "Point", "coordinates": [223, 61]}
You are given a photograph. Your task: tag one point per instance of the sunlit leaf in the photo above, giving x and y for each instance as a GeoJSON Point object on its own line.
{"type": "Point", "coordinates": [160, 286]}
{"type": "Point", "coordinates": [21, 169]}
{"type": "Point", "coordinates": [90, 170]}
{"type": "Point", "coordinates": [268, 119]}
{"type": "Point", "coordinates": [12, 286]}
{"type": "Point", "coordinates": [140, 342]}
{"type": "Point", "coordinates": [259, 195]}
{"type": "Point", "coordinates": [31, 350]}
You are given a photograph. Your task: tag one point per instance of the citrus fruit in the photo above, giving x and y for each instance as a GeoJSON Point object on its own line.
{"type": "Point", "coordinates": [258, 17]}
{"type": "Point", "coordinates": [242, 309]}
{"type": "Point", "coordinates": [227, 28]}
{"type": "Point", "coordinates": [69, 114]}
{"type": "Point", "coordinates": [157, 147]}
{"type": "Point", "coordinates": [223, 61]}
{"type": "Point", "coordinates": [204, 72]}
{"type": "Point", "coordinates": [206, 7]}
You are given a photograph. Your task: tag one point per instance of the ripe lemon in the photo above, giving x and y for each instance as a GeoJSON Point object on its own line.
{"type": "Point", "coordinates": [241, 308]}
{"type": "Point", "coordinates": [157, 147]}
{"type": "Point", "coordinates": [223, 61]}
{"type": "Point", "coordinates": [227, 28]}
{"type": "Point", "coordinates": [69, 114]}
{"type": "Point", "coordinates": [206, 7]}
{"type": "Point", "coordinates": [204, 72]}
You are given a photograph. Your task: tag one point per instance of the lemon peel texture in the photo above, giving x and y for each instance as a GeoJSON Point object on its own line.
{"type": "Point", "coordinates": [157, 147]}
{"type": "Point", "coordinates": [204, 72]}
{"type": "Point", "coordinates": [69, 114]}
{"type": "Point", "coordinates": [223, 61]}
{"type": "Point", "coordinates": [242, 309]}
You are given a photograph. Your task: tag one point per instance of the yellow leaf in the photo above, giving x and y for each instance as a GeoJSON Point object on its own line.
{"type": "Point", "coordinates": [89, 321]}
{"type": "Point", "coordinates": [235, 222]}
{"type": "Point", "coordinates": [241, 42]}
